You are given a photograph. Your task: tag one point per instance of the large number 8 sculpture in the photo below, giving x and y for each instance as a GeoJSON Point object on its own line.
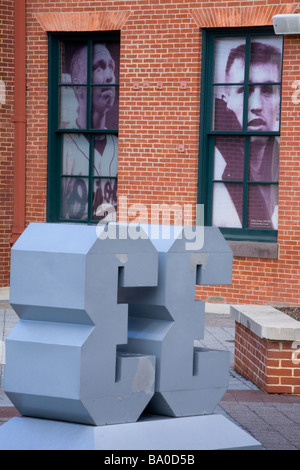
{"type": "Point", "coordinates": [107, 324]}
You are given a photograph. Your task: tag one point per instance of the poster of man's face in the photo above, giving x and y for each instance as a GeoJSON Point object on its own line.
{"type": "Point", "coordinates": [102, 93]}
{"type": "Point", "coordinates": [259, 91]}
{"type": "Point", "coordinates": [246, 98]}
{"type": "Point", "coordinates": [89, 101]}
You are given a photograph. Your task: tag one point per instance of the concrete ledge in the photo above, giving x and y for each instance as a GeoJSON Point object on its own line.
{"type": "Point", "coordinates": [211, 307]}
{"type": "Point", "coordinates": [267, 322]}
{"type": "Point", "coordinates": [254, 249]}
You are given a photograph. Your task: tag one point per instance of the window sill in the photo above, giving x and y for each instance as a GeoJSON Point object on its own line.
{"type": "Point", "coordinates": [254, 249]}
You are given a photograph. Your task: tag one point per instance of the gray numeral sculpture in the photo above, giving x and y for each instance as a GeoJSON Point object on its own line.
{"type": "Point", "coordinates": [62, 359]}
{"type": "Point", "coordinates": [165, 321]}
{"type": "Point", "coordinates": [107, 323]}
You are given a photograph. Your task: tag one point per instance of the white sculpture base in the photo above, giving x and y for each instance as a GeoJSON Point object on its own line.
{"type": "Point", "coordinates": [207, 432]}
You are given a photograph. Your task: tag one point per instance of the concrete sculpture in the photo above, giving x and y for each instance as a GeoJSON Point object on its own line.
{"type": "Point", "coordinates": [108, 319]}
{"type": "Point", "coordinates": [164, 321]}
{"type": "Point", "coordinates": [62, 358]}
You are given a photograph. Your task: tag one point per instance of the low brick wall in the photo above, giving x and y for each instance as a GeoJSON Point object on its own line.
{"type": "Point", "coordinates": [266, 343]}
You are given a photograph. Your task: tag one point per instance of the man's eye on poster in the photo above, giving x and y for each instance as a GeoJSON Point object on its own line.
{"type": "Point", "coordinates": [246, 100]}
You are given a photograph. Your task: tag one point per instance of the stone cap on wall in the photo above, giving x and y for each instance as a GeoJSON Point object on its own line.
{"type": "Point", "coordinates": [267, 322]}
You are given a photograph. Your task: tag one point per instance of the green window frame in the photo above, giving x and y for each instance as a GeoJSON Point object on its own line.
{"type": "Point", "coordinates": [83, 99]}
{"type": "Point", "coordinates": [243, 186]}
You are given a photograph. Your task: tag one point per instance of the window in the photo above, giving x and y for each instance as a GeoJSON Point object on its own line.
{"type": "Point", "coordinates": [240, 126]}
{"type": "Point", "coordinates": [83, 126]}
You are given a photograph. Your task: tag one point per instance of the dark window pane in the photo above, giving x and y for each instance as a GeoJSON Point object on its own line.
{"type": "Point", "coordinates": [73, 116]}
{"type": "Point", "coordinates": [74, 201]}
{"type": "Point", "coordinates": [105, 155]}
{"type": "Point", "coordinates": [263, 207]}
{"type": "Point", "coordinates": [229, 60]}
{"type": "Point", "coordinates": [105, 197]}
{"type": "Point", "coordinates": [105, 63]}
{"type": "Point", "coordinates": [264, 159]}
{"type": "Point", "coordinates": [228, 105]}
{"type": "Point", "coordinates": [105, 107]}
{"type": "Point", "coordinates": [78, 57]}
{"type": "Point", "coordinates": [266, 52]}
{"type": "Point", "coordinates": [229, 158]}
{"type": "Point", "coordinates": [263, 108]}
{"type": "Point", "coordinates": [76, 150]}
{"type": "Point", "coordinates": [105, 98]}
{"type": "Point", "coordinates": [73, 62]}
{"type": "Point", "coordinates": [263, 97]}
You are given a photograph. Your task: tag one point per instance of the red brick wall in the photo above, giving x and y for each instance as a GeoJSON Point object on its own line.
{"type": "Point", "coordinates": [271, 365]}
{"type": "Point", "coordinates": [6, 135]}
{"type": "Point", "coordinates": [161, 44]}
{"type": "Point", "coordinates": [37, 109]}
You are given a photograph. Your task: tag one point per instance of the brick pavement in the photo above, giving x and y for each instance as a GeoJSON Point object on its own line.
{"type": "Point", "coordinates": [274, 420]}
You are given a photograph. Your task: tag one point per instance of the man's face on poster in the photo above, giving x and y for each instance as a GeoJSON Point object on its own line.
{"type": "Point", "coordinates": [263, 99]}
{"type": "Point", "coordinates": [103, 72]}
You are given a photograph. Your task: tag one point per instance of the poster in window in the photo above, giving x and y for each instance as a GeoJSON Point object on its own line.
{"type": "Point", "coordinates": [75, 93]}
{"type": "Point", "coordinates": [246, 97]}
{"type": "Point", "coordinates": [89, 100]}
{"type": "Point", "coordinates": [228, 77]}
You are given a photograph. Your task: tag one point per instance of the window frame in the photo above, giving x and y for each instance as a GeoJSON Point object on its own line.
{"type": "Point", "coordinates": [206, 134]}
{"type": "Point", "coordinates": [55, 132]}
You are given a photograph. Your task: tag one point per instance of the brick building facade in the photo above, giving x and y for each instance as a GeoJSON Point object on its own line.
{"type": "Point", "coordinates": [162, 63]}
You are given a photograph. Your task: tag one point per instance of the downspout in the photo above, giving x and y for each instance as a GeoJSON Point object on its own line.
{"type": "Point", "coordinates": [19, 119]}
